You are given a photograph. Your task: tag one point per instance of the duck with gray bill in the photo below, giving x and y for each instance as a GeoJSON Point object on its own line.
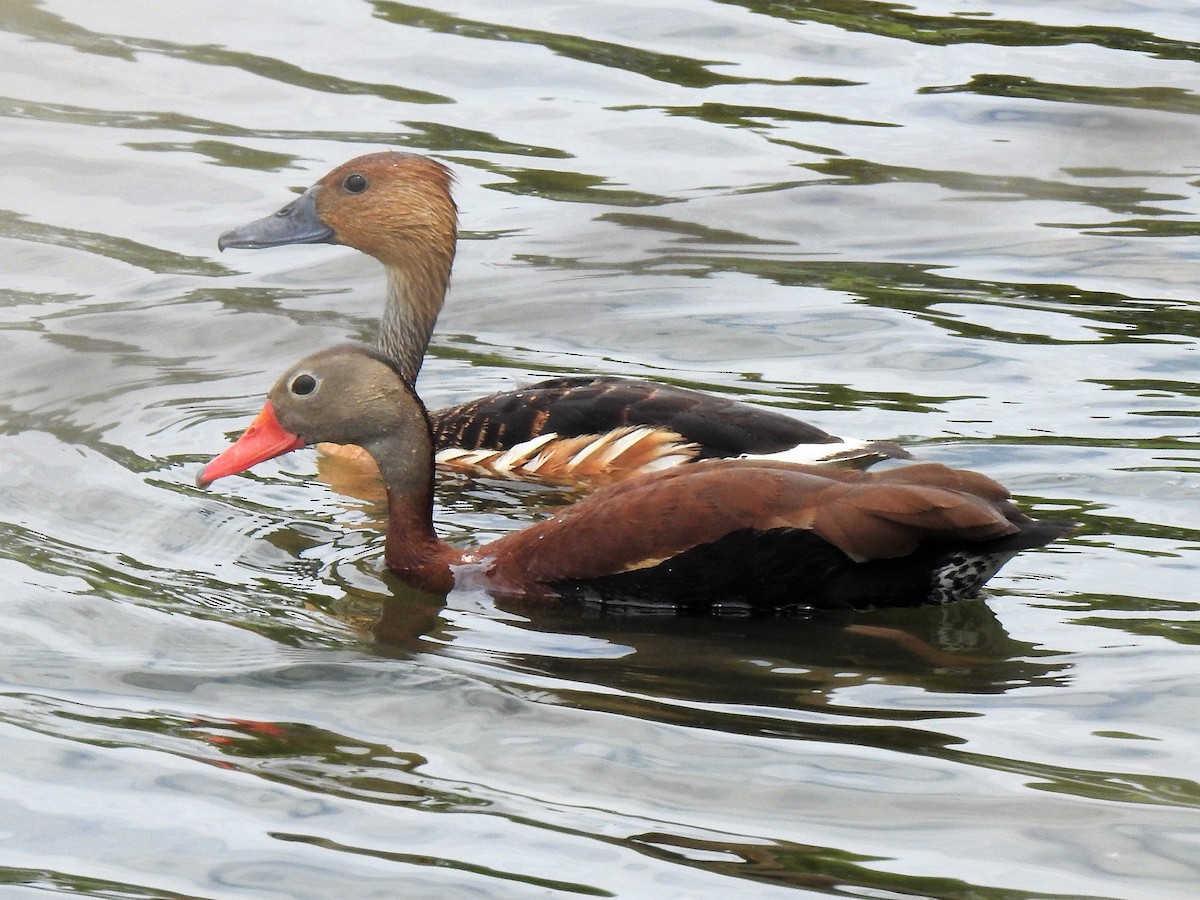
{"type": "Point", "coordinates": [398, 208]}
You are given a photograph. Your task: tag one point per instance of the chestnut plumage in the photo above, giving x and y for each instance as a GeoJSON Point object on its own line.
{"type": "Point", "coordinates": [759, 535]}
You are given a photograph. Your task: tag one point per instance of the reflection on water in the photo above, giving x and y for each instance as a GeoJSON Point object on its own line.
{"type": "Point", "coordinates": [971, 231]}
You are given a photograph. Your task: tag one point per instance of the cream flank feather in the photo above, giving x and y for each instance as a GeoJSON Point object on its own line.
{"type": "Point", "coordinates": [636, 448]}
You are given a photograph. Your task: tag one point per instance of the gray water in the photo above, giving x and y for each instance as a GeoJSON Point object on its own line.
{"type": "Point", "coordinates": [970, 228]}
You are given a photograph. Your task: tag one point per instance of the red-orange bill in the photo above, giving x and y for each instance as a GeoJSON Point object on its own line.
{"type": "Point", "coordinates": [264, 439]}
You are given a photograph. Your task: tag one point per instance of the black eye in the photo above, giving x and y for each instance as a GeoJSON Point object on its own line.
{"type": "Point", "coordinates": [303, 384]}
{"type": "Point", "coordinates": [355, 184]}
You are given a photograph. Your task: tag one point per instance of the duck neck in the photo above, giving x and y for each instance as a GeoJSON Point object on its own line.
{"type": "Point", "coordinates": [413, 550]}
{"type": "Point", "coordinates": [415, 297]}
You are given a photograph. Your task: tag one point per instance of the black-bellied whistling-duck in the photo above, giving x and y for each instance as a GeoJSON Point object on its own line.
{"type": "Point", "coordinates": [756, 534]}
{"type": "Point", "coordinates": [397, 208]}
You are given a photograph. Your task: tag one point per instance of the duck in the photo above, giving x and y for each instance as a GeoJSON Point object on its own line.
{"type": "Point", "coordinates": [398, 208]}
{"type": "Point", "coordinates": [725, 536]}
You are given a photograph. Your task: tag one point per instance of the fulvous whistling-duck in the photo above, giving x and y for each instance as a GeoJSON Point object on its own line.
{"type": "Point", "coordinates": [397, 207]}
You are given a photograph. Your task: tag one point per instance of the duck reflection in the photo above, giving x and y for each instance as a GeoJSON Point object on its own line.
{"type": "Point", "coordinates": [789, 661]}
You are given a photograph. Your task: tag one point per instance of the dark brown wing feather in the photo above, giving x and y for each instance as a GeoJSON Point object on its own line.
{"type": "Point", "coordinates": [596, 404]}
{"type": "Point", "coordinates": [792, 571]}
{"type": "Point", "coordinates": [865, 516]}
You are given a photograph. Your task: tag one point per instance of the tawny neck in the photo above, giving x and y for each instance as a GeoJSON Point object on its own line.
{"type": "Point", "coordinates": [415, 297]}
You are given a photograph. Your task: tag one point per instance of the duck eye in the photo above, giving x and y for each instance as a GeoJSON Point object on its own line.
{"type": "Point", "coordinates": [303, 384]}
{"type": "Point", "coordinates": [355, 184]}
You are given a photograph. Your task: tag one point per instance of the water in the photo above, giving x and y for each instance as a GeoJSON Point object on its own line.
{"type": "Point", "coordinates": [970, 228]}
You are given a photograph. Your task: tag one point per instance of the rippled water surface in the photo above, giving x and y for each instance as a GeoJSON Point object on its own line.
{"type": "Point", "coordinates": [967, 227]}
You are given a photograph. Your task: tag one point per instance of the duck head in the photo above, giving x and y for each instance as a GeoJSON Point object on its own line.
{"type": "Point", "coordinates": [395, 207]}
{"type": "Point", "coordinates": [384, 204]}
{"type": "Point", "coordinates": [345, 395]}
